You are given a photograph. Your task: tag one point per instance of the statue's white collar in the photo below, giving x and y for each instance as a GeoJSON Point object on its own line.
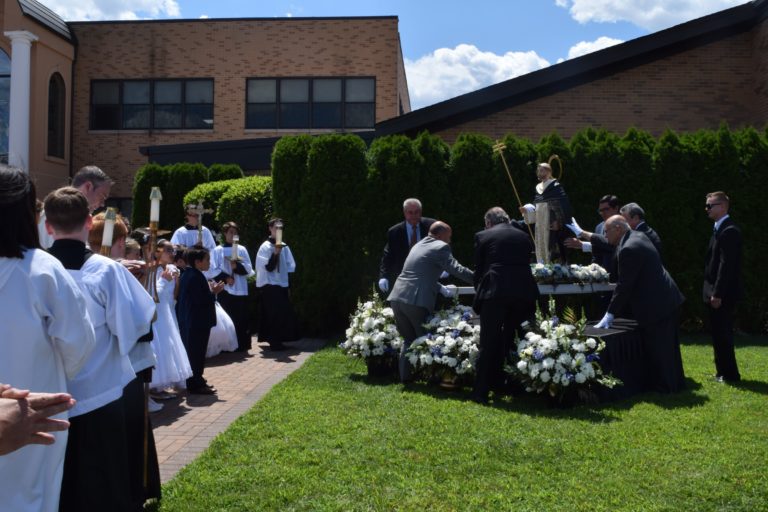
{"type": "Point", "coordinates": [542, 186]}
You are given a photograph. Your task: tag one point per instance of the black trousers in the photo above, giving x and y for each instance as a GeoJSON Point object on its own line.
{"type": "Point", "coordinates": [236, 307]}
{"type": "Point", "coordinates": [135, 425]}
{"type": "Point", "coordinates": [664, 364]}
{"type": "Point", "coordinates": [721, 324]}
{"type": "Point", "coordinates": [499, 321]}
{"type": "Point", "coordinates": [278, 320]}
{"type": "Point", "coordinates": [196, 344]}
{"type": "Point", "coordinates": [96, 475]}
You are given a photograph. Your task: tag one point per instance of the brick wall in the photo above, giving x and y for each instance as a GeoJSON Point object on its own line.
{"type": "Point", "coordinates": [687, 91]}
{"type": "Point", "coordinates": [230, 51]}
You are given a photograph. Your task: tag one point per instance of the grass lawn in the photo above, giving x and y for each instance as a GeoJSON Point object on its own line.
{"type": "Point", "coordinates": [327, 438]}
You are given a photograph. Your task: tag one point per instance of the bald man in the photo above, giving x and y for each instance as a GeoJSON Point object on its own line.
{"type": "Point", "coordinates": [415, 290]}
{"type": "Point", "coordinates": [646, 289]}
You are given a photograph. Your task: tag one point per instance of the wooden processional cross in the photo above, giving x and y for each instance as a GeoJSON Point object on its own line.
{"type": "Point", "coordinates": [199, 210]}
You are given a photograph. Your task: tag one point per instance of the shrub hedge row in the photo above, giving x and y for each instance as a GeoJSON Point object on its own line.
{"type": "Point", "coordinates": [338, 199]}
{"type": "Point", "coordinates": [175, 181]}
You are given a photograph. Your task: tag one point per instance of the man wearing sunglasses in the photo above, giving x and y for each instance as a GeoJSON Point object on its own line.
{"type": "Point", "coordinates": [722, 284]}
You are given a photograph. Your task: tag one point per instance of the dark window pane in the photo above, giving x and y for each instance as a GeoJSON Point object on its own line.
{"type": "Point", "coordinates": [5, 63]}
{"type": "Point", "coordinates": [106, 93]}
{"type": "Point", "coordinates": [262, 91]}
{"type": "Point", "coordinates": [294, 115]}
{"type": "Point", "coordinates": [105, 117]}
{"type": "Point", "coordinates": [326, 115]}
{"type": "Point", "coordinates": [5, 114]}
{"type": "Point", "coordinates": [199, 91]}
{"type": "Point", "coordinates": [167, 92]}
{"type": "Point", "coordinates": [261, 116]}
{"type": "Point", "coordinates": [359, 115]}
{"type": "Point", "coordinates": [56, 103]}
{"type": "Point", "coordinates": [326, 90]}
{"type": "Point", "coordinates": [135, 117]}
{"type": "Point", "coordinates": [167, 116]}
{"type": "Point", "coordinates": [294, 91]}
{"type": "Point", "coordinates": [360, 89]}
{"type": "Point", "coordinates": [198, 116]}
{"type": "Point", "coordinates": [136, 93]}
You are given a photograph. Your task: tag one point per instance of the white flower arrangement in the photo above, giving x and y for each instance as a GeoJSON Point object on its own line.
{"type": "Point", "coordinates": [372, 332]}
{"type": "Point", "coordinates": [578, 274]}
{"type": "Point", "coordinates": [451, 346]}
{"type": "Point", "coordinates": [556, 356]}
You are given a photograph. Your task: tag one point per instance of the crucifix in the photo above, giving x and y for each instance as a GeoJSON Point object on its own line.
{"type": "Point", "coordinates": [198, 209]}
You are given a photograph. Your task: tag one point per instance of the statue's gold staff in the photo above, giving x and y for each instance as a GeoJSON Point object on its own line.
{"type": "Point", "coordinates": [499, 148]}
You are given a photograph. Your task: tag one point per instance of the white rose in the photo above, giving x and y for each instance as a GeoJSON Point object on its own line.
{"type": "Point", "coordinates": [591, 343]}
{"type": "Point", "coordinates": [548, 363]}
{"type": "Point", "coordinates": [545, 376]}
{"type": "Point", "coordinates": [522, 365]}
{"type": "Point", "coordinates": [413, 358]}
{"type": "Point", "coordinates": [580, 378]}
{"type": "Point", "coordinates": [452, 362]}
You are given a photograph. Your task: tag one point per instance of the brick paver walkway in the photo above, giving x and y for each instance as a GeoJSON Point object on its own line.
{"type": "Point", "coordinates": [187, 424]}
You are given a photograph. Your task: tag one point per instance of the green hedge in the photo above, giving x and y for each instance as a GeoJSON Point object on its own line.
{"type": "Point", "coordinates": [210, 194]}
{"type": "Point", "coordinates": [175, 182]}
{"type": "Point", "coordinates": [248, 202]}
{"type": "Point", "coordinates": [348, 196]}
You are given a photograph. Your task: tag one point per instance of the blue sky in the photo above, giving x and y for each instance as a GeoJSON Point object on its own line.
{"type": "Point", "coordinates": [450, 46]}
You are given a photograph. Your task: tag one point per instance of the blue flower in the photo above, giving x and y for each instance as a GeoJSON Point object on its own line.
{"type": "Point", "coordinates": [436, 352]}
{"type": "Point", "coordinates": [537, 355]}
{"type": "Point", "coordinates": [429, 336]}
{"type": "Point", "coordinates": [593, 357]}
{"type": "Point", "coordinates": [555, 320]}
{"type": "Point", "coordinates": [466, 316]}
{"type": "Point", "coordinates": [455, 333]}
{"type": "Point", "coordinates": [570, 376]}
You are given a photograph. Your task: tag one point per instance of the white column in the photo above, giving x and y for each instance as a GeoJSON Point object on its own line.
{"type": "Point", "coordinates": [18, 129]}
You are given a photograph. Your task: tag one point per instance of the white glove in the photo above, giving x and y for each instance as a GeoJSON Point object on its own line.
{"type": "Point", "coordinates": [384, 285]}
{"type": "Point", "coordinates": [444, 275]}
{"type": "Point", "coordinates": [448, 291]}
{"type": "Point", "coordinates": [529, 207]}
{"type": "Point", "coordinates": [586, 246]}
{"type": "Point", "coordinates": [606, 322]}
{"type": "Point", "coordinates": [574, 227]}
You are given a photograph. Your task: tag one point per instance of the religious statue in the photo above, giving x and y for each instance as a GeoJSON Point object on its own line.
{"type": "Point", "coordinates": [549, 212]}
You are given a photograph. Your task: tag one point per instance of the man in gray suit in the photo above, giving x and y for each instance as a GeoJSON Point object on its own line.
{"type": "Point", "coordinates": [414, 293]}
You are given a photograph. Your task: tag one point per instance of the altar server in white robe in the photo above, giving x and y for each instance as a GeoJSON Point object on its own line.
{"type": "Point", "coordinates": [187, 234]}
{"type": "Point", "coordinates": [234, 271]}
{"type": "Point", "coordinates": [96, 475]}
{"type": "Point", "coordinates": [47, 337]}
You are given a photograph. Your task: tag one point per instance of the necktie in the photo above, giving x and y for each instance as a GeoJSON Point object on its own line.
{"type": "Point", "coordinates": [413, 236]}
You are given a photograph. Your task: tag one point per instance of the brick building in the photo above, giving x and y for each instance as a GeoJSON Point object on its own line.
{"type": "Point", "coordinates": [688, 77]}
{"type": "Point", "coordinates": [127, 85]}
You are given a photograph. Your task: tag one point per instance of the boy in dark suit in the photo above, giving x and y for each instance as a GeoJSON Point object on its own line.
{"type": "Point", "coordinates": [196, 312]}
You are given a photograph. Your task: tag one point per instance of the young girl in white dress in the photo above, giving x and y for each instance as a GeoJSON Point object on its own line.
{"type": "Point", "coordinates": [172, 362]}
{"type": "Point", "coordinates": [223, 336]}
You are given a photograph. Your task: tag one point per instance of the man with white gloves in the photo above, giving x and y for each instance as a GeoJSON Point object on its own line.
{"type": "Point", "coordinates": [646, 289]}
{"type": "Point", "coordinates": [400, 238]}
{"type": "Point", "coordinates": [595, 242]}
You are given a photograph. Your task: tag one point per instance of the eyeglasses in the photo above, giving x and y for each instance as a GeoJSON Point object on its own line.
{"type": "Point", "coordinates": [709, 206]}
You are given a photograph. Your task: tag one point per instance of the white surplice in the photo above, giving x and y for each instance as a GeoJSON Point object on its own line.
{"type": "Point", "coordinates": [121, 311]}
{"type": "Point", "coordinates": [188, 237]}
{"type": "Point", "coordinates": [47, 337]}
{"type": "Point", "coordinates": [220, 263]}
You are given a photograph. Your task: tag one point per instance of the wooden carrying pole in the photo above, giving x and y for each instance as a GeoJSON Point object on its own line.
{"type": "Point", "coordinates": [499, 148]}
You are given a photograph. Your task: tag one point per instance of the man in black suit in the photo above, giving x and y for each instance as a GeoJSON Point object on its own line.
{"type": "Point", "coordinates": [722, 284]}
{"type": "Point", "coordinates": [505, 295]}
{"type": "Point", "coordinates": [654, 299]}
{"type": "Point", "coordinates": [400, 238]}
{"type": "Point", "coordinates": [603, 253]}
{"type": "Point", "coordinates": [635, 217]}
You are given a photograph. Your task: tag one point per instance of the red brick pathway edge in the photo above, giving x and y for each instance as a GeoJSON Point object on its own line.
{"type": "Point", "coordinates": [187, 424]}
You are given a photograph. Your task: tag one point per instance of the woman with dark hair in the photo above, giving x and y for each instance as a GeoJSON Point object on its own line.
{"type": "Point", "coordinates": [47, 338]}
{"type": "Point", "coordinates": [274, 261]}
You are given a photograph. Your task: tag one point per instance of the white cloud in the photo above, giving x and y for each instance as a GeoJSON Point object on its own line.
{"type": "Point", "coordinates": [204, 16]}
{"type": "Point", "coordinates": [586, 47]}
{"type": "Point", "coordinates": [92, 10]}
{"type": "Point", "coordinates": [651, 15]}
{"type": "Point", "coordinates": [449, 72]}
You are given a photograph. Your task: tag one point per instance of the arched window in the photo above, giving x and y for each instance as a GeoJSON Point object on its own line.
{"type": "Point", "coordinates": [5, 104]}
{"type": "Point", "coordinates": [57, 101]}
